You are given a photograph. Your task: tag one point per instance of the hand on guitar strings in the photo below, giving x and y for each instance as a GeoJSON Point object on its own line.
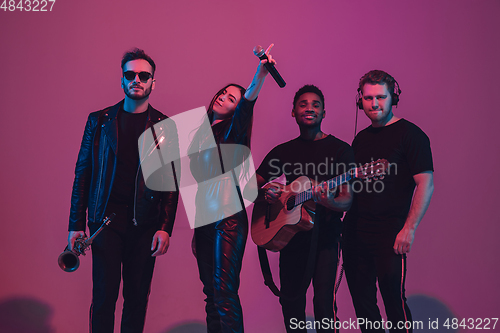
{"type": "Point", "coordinates": [272, 195]}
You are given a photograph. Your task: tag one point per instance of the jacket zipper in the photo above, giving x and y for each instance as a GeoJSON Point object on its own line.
{"type": "Point", "coordinates": [100, 180]}
{"type": "Point", "coordinates": [134, 220]}
{"type": "Point", "coordinates": [135, 194]}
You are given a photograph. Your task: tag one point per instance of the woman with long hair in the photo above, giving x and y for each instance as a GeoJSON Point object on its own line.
{"type": "Point", "coordinates": [222, 227]}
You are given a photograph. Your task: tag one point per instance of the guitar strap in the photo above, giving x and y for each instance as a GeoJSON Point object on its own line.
{"type": "Point", "coordinates": [311, 261]}
{"type": "Point", "coordinates": [266, 271]}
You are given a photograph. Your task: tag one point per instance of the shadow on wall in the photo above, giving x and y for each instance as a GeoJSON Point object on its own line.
{"type": "Point", "coordinates": [429, 315]}
{"type": "Point", "coordinates": [25, 315]}
{"type": "Point", "coordinates": [432, 313]}
{"type": "Point", "coordinates": [188, 327]}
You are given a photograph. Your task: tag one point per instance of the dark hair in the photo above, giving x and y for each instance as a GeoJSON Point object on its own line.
{"type": "Point", "coordinates": [202, 130]}
{"type": "Point", "coordinates": [138, 54]}
{"type": "Point", "coordinates": [210, 110]}
{"type": "Point", "coordinates": [309, 88]}
{"type": "Point", "coordinates": [210, 114]}
{"type": "Point", "coordinates": [380, 77]}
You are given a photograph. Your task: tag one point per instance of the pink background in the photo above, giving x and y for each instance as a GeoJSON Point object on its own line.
{"type": "Point", "coordinates": [58, 66]}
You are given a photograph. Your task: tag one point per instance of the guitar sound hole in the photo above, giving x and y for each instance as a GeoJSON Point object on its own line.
{"type": "Point", "coordinates": [290, 203]}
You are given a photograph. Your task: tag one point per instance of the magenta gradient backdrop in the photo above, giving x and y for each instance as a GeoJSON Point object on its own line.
{"type": "Point", "coordinates": [58, 66]}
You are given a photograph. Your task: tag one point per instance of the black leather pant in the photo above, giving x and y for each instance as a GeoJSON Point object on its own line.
{"type": "Point", "coordinates": [219, 252]}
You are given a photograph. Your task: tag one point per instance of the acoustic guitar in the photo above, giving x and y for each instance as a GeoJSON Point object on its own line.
{"type": "Point", "coordinates": [273, 226]}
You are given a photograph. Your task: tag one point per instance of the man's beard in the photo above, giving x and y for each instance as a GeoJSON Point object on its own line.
{"type": "Point", "coordinates": [147, 92]}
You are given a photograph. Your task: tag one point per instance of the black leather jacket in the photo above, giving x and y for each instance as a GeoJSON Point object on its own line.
{"type": "Point", "coordinates": [95, 171]}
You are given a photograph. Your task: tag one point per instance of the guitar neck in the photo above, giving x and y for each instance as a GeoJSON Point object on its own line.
{"type": "Point", "coordinates": [332, 183]}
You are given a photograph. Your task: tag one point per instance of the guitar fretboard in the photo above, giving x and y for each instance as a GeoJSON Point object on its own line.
{"type": "Point", "coordinates": [332, 183]}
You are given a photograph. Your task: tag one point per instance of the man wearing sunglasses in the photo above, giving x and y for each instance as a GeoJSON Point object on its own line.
{"type": "Point", "coordinates": [108, 179]}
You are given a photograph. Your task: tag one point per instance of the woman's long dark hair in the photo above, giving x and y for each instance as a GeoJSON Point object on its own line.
{"type": "Point", "coordinates": [210, 114]}
{"type": "Point", "coordinates": [210, 111]}
{"type": "Point", "coordinates": [202, 130]}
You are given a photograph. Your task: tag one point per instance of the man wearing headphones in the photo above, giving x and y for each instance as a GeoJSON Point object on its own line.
{"type": "Point", "coordinates": [380, 227]}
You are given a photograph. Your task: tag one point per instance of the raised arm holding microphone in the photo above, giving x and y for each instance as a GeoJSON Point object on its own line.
{"type": "Point", "coordinates": [219, 246]}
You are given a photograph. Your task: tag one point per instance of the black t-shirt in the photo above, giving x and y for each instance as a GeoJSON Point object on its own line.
{"type": "Point", "coordinates": [319, 160]}
{"type": "Point", "coordinates": [381, 207]}
{"type": "Point", "coordinates": [130, 128]}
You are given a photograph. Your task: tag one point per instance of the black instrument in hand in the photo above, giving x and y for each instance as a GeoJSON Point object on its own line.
{"type": "Point", "coordinates": [259, 52]}
{"type": "Point", "coordinates": [68, 260]}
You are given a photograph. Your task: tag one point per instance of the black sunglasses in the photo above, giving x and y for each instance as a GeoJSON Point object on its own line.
{"type": "Point", "coordinates": [143, 76]}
